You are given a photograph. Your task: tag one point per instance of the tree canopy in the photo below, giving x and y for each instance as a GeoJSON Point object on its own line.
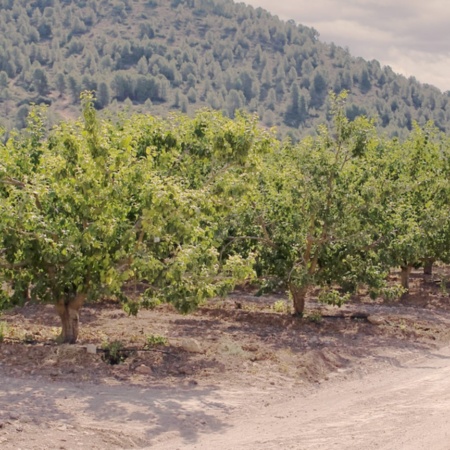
{"type": "Point", "coordinates": [136, 210]}
{"type": "Point", "coordinates": [148, 210]}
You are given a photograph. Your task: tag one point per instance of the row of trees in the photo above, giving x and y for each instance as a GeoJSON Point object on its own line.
{"type": "Point", "coordinates": [345, 206]}
{"type": "Point", "coordinates": [149, 210]}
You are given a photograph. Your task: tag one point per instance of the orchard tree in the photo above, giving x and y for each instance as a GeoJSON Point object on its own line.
{"type": "Point", "coordinates": [415, 191]}
{"type": "Point", "coordinates": [122, 210]}
{"type": "Point", "coordinates": [312, 212]}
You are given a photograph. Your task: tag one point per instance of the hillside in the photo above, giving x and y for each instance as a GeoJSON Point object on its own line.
{"type": "Point", "coordinates": [159, 56]}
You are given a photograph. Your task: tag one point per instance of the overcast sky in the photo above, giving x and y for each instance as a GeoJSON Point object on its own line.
{"type": "Point", "coordinates": [411, 36]}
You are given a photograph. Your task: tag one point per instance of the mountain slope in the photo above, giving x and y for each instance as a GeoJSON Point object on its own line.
{"type": "Point", "coordinates": [159, 55]}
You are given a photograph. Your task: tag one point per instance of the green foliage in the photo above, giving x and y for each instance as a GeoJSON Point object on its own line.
{"type": "Point", "coordinates": [315, 317]}
{"type": "Point", "coordinates": [113, 352]}
{"type": "Point", "coordinates": [391, 293]}
{"type": "Point", "coordinates": [149, 210]}
{"type": "Point", "coordinates": [333, 297]}
{"type": "Point", "coordinates": [413, 191]}
{"type": "Point", "coordinates": [3, 330]}
{"type": "Point", "coordinates": [153, 340]}
{"type": "Point", "coordinates": [309, 210]}
{"type": "Point", "coordinates": [280, 306]}
{"type": "Point", "coordinates": [99, 206]}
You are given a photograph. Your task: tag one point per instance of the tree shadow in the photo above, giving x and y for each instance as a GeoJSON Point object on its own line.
{"type": "Point", "coordinates": [144, 415]}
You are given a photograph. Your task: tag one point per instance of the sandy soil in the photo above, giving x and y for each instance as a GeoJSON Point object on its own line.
{"type": "Point", "coordinates": [404, 406]}
{"type": "Point", "coordinates": [236, 374]}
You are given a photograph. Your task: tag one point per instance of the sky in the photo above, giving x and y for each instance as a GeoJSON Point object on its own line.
{"type": "Point", "coordinates": [411, 36]}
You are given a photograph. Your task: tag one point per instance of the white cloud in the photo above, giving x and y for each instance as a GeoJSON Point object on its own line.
{"type": "Point", "coordinates": [411, 36]}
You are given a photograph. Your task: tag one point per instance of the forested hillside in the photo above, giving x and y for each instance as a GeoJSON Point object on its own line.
{"type": "Point", "coordinates": [159, 55]}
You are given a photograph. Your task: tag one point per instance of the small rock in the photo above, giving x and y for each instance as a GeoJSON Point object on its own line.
{"type": "Point", "coordinates": [14, 416]}
{"type": "Point", "coordinates": [375, 320]}
{"type": "Point", "coordinates": [91, 348]}
{"type": "Point", "coordinates": [144, 370]}
{"type": "Point", "coordinates": [191, 346]}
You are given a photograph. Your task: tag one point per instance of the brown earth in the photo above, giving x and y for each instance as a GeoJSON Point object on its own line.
{"type": "Point", "coordinates": [230, 356]}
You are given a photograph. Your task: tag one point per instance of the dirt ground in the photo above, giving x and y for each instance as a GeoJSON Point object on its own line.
{"type": "Point", "coordinates": [177, 379]}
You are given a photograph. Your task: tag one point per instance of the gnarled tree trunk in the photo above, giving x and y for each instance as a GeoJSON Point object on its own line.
{"type": "Point", "coordinates": [404, 276]}
{"type": "Point", "coordinates": [68, 310]}
{"type": "Point", "coordinates": [298, 298]}
{"type": "Point", "coordinates": [428, 266]}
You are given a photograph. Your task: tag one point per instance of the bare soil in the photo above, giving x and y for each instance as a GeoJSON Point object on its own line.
{"type": "Point", "coordinates": [232, 366]}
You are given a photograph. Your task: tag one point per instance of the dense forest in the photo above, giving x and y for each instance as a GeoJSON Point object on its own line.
{"type": "Point", "coordinates": [159, 56]}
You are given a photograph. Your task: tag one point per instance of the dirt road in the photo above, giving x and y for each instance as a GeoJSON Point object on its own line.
{"type": "Point", "coordinates": [402, 406]}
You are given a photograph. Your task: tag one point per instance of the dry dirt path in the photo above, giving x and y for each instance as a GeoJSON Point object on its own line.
{"type": "Point", "coordinates": [402, 406]}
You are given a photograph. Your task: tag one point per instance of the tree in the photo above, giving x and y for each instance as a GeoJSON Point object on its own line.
{"type": "Point", "coordinates": [268, 118]}
{"type": "Point", "coordinates": [319, 90]}
{"type": "Point", "coordinates": [235, 100]}
{"type": "Point", "coordinates": [309, 214]}
{"type": "Point", "coordinates": [146, 88]}
{"type": "Point", "coordinates": [192, 95]}
{"type": "Point", "coordinates": [296, 112]}
{"type": "Point", "coordinates": [95, 208]}
{"type": "Point", "coordinates": [3, 79]}
{"type": "Point", "coordinates": [123, 85]}
{"type": "Point", "coordinates": [142, 66]}
{"type": "Point", "coordinates": [414, 201]}
{"type": "Point", "coordinates": [365, 84]}
{"type": "Point", "coordinates": [5, 97]}
{"type": "Point", "coordinates": [103, 96]}
{"type": "Point", "coordinates": [21, 116]}
{"type": "Point", "coordinates": [60, 84]}
{"type": "Point", "coordinates": [74, 87]}
{"type": "Point", "coordinates": [40, 81]}
{"type": "Point", "coordinates": [271, 100]}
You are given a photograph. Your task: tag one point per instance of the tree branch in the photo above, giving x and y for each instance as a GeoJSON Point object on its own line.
{"type": "Point", "coordinates": [13, 182]}
{"type": "Point", "coordinates": [21, 185]}
{"type": "Point", "coordinates": [14, 265]}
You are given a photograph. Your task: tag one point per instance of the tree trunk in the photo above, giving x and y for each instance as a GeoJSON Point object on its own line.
{"type": "Point", "coordinates": [428, 266]}
{"type": "Point", "coordinates": [298, 298]}
{"type": "Point", "coordinates": [68, 310]}
{"type": "Point", "coordinates": [406, 270]}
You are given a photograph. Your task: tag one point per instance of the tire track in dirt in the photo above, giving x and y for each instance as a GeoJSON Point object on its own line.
{"type": "Point", "coordinates": [404, 408]}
